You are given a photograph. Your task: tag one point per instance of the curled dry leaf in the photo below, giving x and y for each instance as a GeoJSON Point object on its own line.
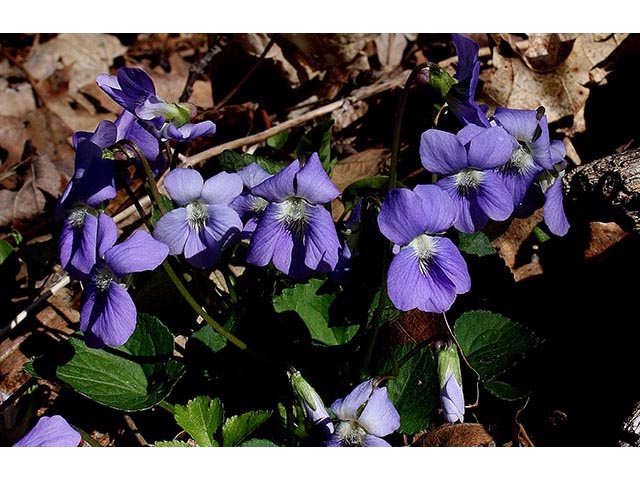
{"type": "Point", "coordinates": [255, 43]}
{"type": "Point", "coordinates": [30, 200]}
{"type": "Point", "coordinates": [13, 135]}
{"type": "Point", "coordinates": [390, 48]}
{"type": "Point", "coordinates": [416, 326]}
{"type": "Point", "coordinates": [561, 91]}
{"type": "Point", "coordinates": [90, 54]}
{"type": "Point", "coordinates": [456, 435]}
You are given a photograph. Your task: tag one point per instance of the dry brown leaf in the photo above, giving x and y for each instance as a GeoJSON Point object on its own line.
{"type": "Point", "coordinates": [49, 136]}
{"type": "Point", "coordinates": [29, 201]}
{"type": "Point", "coordinates": [561, 92]}
{"type": "Point", "coordinates": [7, 200]}
{"type": "Point", "coordinates": [324, 50]}
{"type": "Point", "coordinates": [13, 135]}
{"type": "Point", "coordinates": [255, 43]}
{"type": "Point", "coordinates": [358, 166]}
{"type": "Point", "coordinates": [90, 54]}
{"type": "Point", "coordinates": [457, 435]}
{"type": "Point", "coordinates": [169, 85]}
{"type": "Point", "coordinates": [16, 100]}
{"type": "Point", "coordinates": [390, 48]}
{"type": "Point", "coordinates": [603, 236]}
{"type": "Point", "coordinates": [415, 326]}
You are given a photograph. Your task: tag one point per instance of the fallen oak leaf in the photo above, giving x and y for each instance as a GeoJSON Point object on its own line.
{"type": "Point", "coordinates": [562, 91]}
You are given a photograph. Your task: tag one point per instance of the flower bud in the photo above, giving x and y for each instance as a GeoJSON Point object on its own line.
{"type": "Point", "coordinates": [313, 406]}
{"type": "Point", "coordinates": [451, 394]}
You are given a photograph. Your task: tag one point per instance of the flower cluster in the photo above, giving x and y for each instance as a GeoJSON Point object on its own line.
{"type": "Point", "coordinates": [489, 169]}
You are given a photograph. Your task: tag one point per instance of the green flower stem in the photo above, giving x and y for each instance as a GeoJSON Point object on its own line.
{"type": "Point", "coordinates": [167, 406]}
{"type": "Point", "coordinates": [193, 303]}
{"type": "Point", "coordinates": [393, 178]}
{"type": "Point", "coordinates": [151, 181]}
{"type": "Point", "coordinates": [215, 325]}
{"type": "Point", "coordinates": [87, 438]}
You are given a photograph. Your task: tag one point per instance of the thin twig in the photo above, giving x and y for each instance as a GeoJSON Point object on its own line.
{"type": "Point", "coordinates": [244, 79]}
{"type": "Point", "coordinates": [197, 69]}
{"type": "Point", "coordinates": [46, 294]}
{"type": "Point", "coordinates": [134, 429]}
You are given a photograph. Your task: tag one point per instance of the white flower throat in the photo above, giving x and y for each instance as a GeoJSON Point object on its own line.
{"type": "Point", "coordinates": [423, 247]}
{"type": "Point", "coordinates": [350, 433]}
{"type": "Point", "coordinates": [521, 160]}
{"type": "Point", "coordinates": [468, 180]}
{"type": "Point", "coordinates": [76, 217]}
{"type": "Point", "coordinates": [102, 278]}
{"type": "Point", "coordinates": [197, 215]}
{"type": "Point", "coordinates": [293, 213]}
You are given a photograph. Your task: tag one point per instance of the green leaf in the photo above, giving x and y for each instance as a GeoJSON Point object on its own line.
{"type": "Point", "coordinates": [363, 187]}
{"type": "Point", "coordinates": [278, 140]}
{"type": "Point", "coordinates": [313, 308]}
{"type": "Point", "coordinates": [231, 161]}
{"type": "Point", "coordinates": [201, 418]}
{"type": "Point", "coordinates": [318, 139]}
{"type": "Point", "coordinates": [5, 251]}
{"type": "Point", "coordinates": [504, 391]}
{"type": "Point", "coordinates": [209, 338]}
{"type": "Point", "coordinates": [492, 343]}
{"type": "Point", "coordinates": [415, 391]}
{"type": "Point", "coordinates": [133, 377]}
{"type": "Point", "coordinates": [476, 244]}
{"type": "Point", "coordinates": [239, 427]}
{"type": "Point", "coordinates": [258, 442]}
{"type": "Point", "coordinates": [171, 443]}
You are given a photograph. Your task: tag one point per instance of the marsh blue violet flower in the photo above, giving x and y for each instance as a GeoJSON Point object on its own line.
{"type": "Point", "coordinates": [531, 149]}
{"type": "Point", "coordinates": [295, 230]}
{"type": "Point", "coordinates": [461, 96]}
{"type": "Point", "coordinates": [428, 271]}
{"type": "Point", "coordinates": [204, 223]}
{"type": "Point", "coordinates": [134, 90]}
{"type": "Point", "coordinates": [50, 432]}
{"type": "Point", "coordinates": [248, 205]}
{"type": "Point", "coordinates": [451, 394]}
{"type": "Point", "coordinates": [312, 403]}
{"type": "Point", "coordinates": [546, 190]}
{"type": "Point", "coordinates": [365, 415]}
{"type": "Point", "coordinates": [92, 184]}
{"type": "Point", "coordinates": [466, 162]}
{"type": "Point", "coordinates": [107, 312]}
{"type": "Point", "coordinates": [126, 127]}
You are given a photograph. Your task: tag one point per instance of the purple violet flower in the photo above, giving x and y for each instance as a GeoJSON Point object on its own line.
{"type": "Point", "coordinates": [451, 394]}
{"type": "Point", "coordinates": [466, 162]}
{"type": "Point", "coordinates": [126, 127]}
{"type": "Point", "coordinates": [452, 400]}
{"type": "Point", "coordinates": [92, 183]}
{"type": "Point", "coordinates": [295, 230]}
{"type": "Point", "coordinates": [365, 415]}
{"type": "Point", "coordinates": [548, 184]}
{"type": "Point", "coordinates": [134, 90]}
{"type": "Point", "coordinates": [531, 149]}
{"type": "Point", "coordinates": [50, 432]}
{"type": "Point", "coordinates": [461, 96]}
{"type": "Point", "coordinates": [204, 223]}
{"type": "Point", "coordinates": [428, 271]}
{"type": "Point", "coordinates": [312, 403]}
{"type": "Point", "coordinates": [248, 205]}
{"type": "Point", "coordinates": [107, 312]}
